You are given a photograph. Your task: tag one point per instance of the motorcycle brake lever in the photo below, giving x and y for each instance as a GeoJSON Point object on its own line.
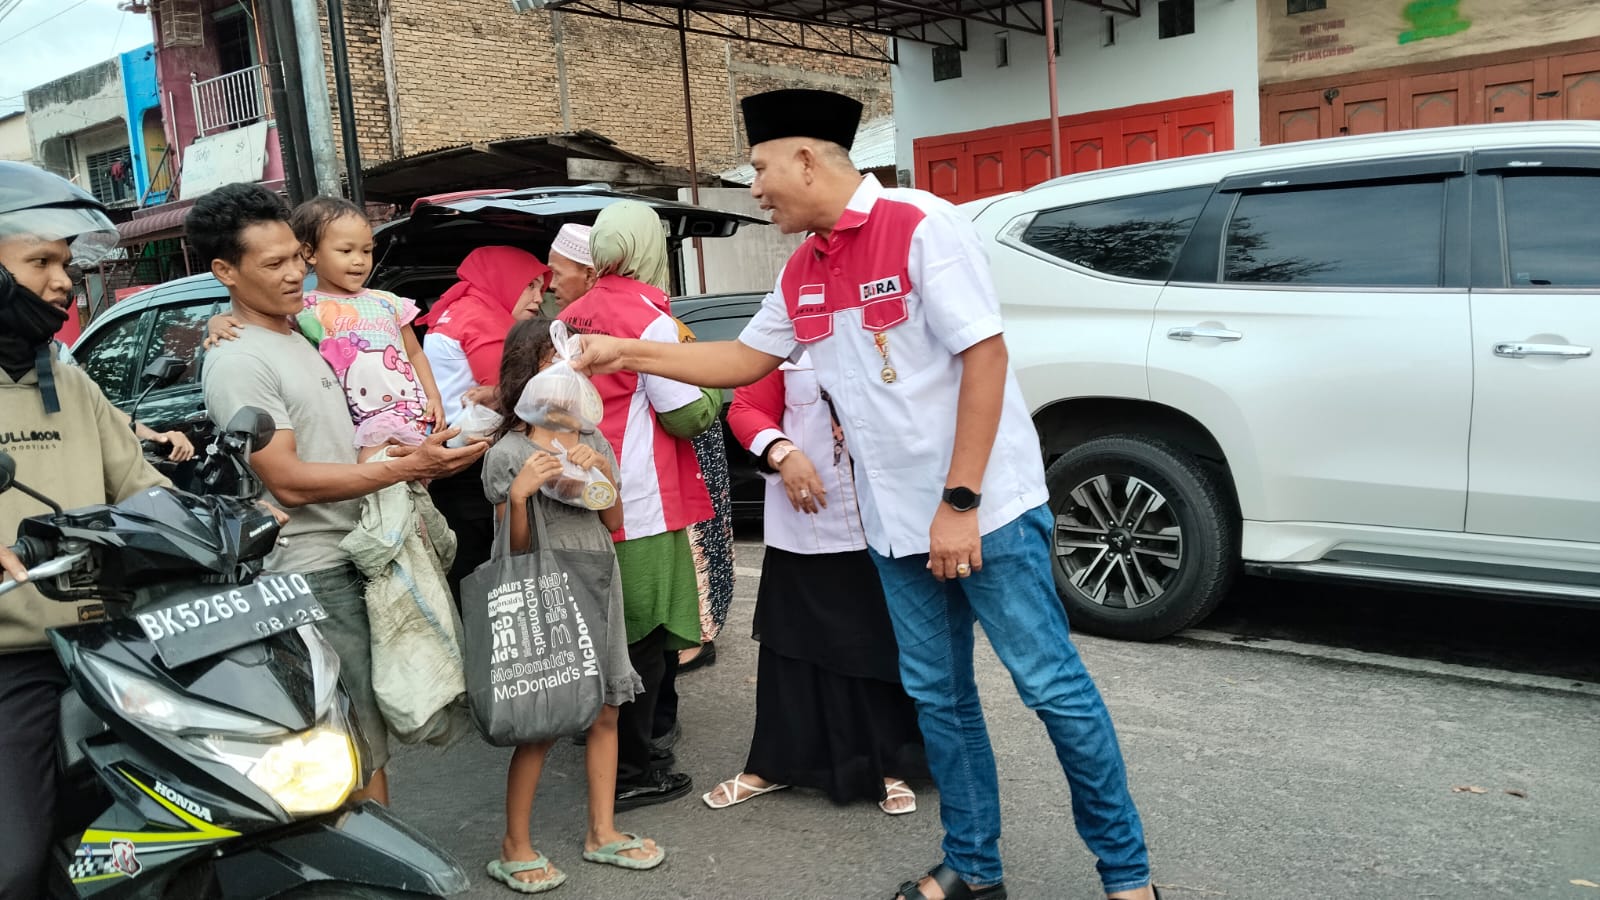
{"type": "Point", "coordinates": [61, 565]}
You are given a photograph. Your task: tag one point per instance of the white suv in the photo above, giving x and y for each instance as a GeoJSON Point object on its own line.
{"type": "Point", "coordinates": [1366, 358]}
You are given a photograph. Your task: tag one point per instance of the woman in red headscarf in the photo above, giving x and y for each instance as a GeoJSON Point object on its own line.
{"type": "Point", "coordinates": [466, 333]}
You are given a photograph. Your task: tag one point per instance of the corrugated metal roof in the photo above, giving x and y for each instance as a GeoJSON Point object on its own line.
{"type": "Point", "coordinates": [874, 149]}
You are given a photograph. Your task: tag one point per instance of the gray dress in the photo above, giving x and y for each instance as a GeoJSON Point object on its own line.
{"type": "Point", "coordinates": [570, 527]}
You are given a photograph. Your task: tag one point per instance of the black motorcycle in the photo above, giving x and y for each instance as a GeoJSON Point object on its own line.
{"type": "Point", "coordinates": [205, 736]}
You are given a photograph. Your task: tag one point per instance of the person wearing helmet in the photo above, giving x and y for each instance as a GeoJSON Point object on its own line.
{"type": "Point", "coordinates": [71, 444]}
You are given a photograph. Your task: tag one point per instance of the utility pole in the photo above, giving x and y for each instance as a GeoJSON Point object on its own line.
{"type": "Point", "coordinates": [347, 102]}
{"type": "Point", "coordinates": [314, 81]}
{"type": "Point", "coordinates": [283, 62]}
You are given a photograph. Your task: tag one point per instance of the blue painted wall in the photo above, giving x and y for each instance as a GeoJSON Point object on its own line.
{"type": "Point", "coordinates": [143, 92]}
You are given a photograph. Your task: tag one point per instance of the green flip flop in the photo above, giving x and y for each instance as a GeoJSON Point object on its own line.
{"type": "Point", "coordinates": [506, 873]}
{"type": "Point", "coordinates": [611, 854]}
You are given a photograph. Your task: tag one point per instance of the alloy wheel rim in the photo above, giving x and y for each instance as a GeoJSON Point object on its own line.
{"type": "Point", "coordinates": [1118, 540]}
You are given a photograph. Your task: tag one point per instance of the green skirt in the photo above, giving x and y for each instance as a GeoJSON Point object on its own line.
{"type": "Point", "coordinates": [659, 588]}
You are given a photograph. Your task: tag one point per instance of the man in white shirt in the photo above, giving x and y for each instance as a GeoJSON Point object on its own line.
{"type": "Point", "coordinates": [891, 296]}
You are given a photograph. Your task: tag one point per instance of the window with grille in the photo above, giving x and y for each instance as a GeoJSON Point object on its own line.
{"type": "Point", "coordinates": [1297, 7]}
{"type": "Point", "coordinates": [108, 181]}
{"type": "Point", "coordinates": [946, 63]}
{"type": "Point", "coordinates": [1176, 17]}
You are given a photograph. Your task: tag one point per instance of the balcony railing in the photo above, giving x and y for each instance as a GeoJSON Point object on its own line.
{"type": "Point", "coordinates": [229, 101]}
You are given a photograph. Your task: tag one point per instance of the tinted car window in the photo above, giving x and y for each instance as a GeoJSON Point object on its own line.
{"type": "Point", "coordinates": [1133, 237]}
{"type": "Point", "coordinates": [1553, 230]}
{"type": "Point", "coordinates": [722, 329]}
{"type": "Point", "coordinates": [109, 357]}
{"type": "Point", "coordinates": [179, 331]}
{"type": "Point", "coordinates": [1381, 235]}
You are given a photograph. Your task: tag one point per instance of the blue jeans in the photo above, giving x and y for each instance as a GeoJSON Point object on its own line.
{"type": "Point", "coordinates": [1014, 597]}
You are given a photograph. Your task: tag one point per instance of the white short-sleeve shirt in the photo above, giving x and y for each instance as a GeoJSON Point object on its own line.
{"type": "Point", "coordinates": [886, 306]}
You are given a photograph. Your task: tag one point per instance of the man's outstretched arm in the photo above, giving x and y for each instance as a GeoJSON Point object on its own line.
{"type": "Point", "coordinates": [718, 364]}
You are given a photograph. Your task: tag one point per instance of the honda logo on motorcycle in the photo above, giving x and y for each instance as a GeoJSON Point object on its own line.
{"type": "Point", "coordinates": [184, 803]}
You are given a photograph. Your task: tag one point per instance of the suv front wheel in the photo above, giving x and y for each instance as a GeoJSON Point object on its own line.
{"type": "Point", "coordinates": [1144, 538]}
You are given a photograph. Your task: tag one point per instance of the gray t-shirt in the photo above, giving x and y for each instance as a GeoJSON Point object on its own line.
{"type": "Point", "coordinates": [286, 376]}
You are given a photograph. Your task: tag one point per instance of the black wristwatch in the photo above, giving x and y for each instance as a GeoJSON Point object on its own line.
{"type": "Point", "coordinates": [962, 499]}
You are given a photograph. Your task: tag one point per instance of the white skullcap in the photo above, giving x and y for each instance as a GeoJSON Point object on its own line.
{"type": "Point", "coordinates": [572, 241]}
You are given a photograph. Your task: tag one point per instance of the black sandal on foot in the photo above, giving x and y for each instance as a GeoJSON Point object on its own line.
{"type": "Point", "coordinates": [952, 885]}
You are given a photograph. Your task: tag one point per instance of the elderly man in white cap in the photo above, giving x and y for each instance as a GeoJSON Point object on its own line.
{"type": "Point", "coordinates": [571, 264]}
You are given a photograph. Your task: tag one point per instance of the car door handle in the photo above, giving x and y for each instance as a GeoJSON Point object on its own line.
{"type": "Point", "coordinates": [1200, 331]}
{"type": "Point", "coordinates": [1513, 350]}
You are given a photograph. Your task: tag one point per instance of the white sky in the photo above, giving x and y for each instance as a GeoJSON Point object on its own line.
{"type": "Point", "coordinates": [83, 32]}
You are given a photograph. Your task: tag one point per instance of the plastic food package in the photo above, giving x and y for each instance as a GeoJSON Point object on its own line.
{"type": "Point", "coordinates": [478, 422]}
{"type": "Point", "coordinates": [576, 486]}
{"type": "Point", "coordinates": [558, 398]}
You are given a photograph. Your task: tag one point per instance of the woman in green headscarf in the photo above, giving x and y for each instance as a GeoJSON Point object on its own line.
{"type": "Point", "coordinates": [660, 480]}
{"type": "Point", "coordinates": [630, 242]}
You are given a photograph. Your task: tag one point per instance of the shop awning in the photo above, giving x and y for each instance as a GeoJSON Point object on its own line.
{"type": "Point", "coordinates": [861, 29]}
{"type": "Point", "coordinates": [155, 224]}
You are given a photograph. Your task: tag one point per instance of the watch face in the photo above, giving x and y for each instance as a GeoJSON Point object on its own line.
{"type": "Point", "coordinates": [961, 498]}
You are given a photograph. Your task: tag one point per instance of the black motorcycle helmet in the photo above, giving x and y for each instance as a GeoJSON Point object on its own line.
{"type": "Point", "coordinates": [38, 203]}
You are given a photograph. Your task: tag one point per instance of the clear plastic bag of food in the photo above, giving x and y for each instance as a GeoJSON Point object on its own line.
{"type": "Point", "coordinates": [577, 486]}
{"type": "Point", "coordinates": [476, 423]}
{"type": "Point", "coordinates": [559, 398]}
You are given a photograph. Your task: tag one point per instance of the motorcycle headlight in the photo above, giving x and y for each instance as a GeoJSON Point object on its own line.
{"type": "Point", "coordinates": [305, 773]}
{"type": "Point", "coordinates": [152, 705]}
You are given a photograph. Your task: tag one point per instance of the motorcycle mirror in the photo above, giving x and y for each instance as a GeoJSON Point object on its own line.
{"type": "Point", "coordinates": [164, 371]}
{"type": "Point", "coordinates": [254, 423]}
{"type": "Point", "coordinates": [8, 480]}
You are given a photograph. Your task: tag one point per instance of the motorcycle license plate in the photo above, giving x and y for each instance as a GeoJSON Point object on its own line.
{"type": "Point", "coordinates": [193, 625]}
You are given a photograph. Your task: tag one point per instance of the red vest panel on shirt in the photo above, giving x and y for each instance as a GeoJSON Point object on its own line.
{"type": "Point", "coordinates": [862, 266]}
{"type": "Point", "coordinates": [624, 308]}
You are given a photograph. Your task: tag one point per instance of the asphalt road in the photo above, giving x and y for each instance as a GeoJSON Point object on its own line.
{"type": "Point", "coordinates": [1305, 741]}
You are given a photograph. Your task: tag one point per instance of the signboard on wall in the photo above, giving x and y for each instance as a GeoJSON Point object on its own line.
{"type": "Point", "coordinates": [219, 159]}
{"type": "Point", "coordinates": [1339, 36]}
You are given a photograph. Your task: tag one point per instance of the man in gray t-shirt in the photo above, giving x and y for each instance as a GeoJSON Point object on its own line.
{"type": "Point", "coordinates": [309, 467]}
{"type": "Point", "coordinates": [282, 374]}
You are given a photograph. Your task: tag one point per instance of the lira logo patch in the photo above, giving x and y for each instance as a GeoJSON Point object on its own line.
{"type": "Point", "coordinates": [883, 287]}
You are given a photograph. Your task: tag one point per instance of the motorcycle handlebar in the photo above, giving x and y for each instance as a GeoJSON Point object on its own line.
{"type": "Point", "coordinates": [39, 557]}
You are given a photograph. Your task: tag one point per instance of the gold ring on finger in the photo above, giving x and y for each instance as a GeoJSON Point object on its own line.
{"type": "Point", "coordinates": [963, 570]}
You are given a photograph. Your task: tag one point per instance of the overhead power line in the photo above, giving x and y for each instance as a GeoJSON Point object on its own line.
{"type": "Point", "coordinates": [43, 22]}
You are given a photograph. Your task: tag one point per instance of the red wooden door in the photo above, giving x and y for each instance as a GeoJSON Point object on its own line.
{"type": "Point", "coordinates": [988, 165]}
{"type": "Point", "coordinates": [1505, 93]}
{"type": "Point", "coordinates": [1086, 148]}
{"type": "Point", "coordinates": [1033, 156]}
{"type": "Point", "coordinates": [1576, 78]}
{"type": "Point", "coordinates": [1366, 108]}
{"type": "Point", "coordinates": [1435, 101]}
{"type": "Point", "coordinates": [1197, 131]}
{"type": "Point", "coordinates": [1146, 138]}
{"type": "Point", "coordinates": [970, 165]}
{"type": "Point", "coordinates": [1301, 116]}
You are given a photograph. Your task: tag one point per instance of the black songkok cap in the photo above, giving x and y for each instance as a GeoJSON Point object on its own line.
{"type": "Point", "coordinates": [822, 115]}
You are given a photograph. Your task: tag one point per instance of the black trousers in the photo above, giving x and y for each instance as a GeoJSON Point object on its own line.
{"type": "Point", "coordinates": [636, 720]}
{"type": "Point", "coordinates": [667, 704]}
{"type": "Point", "coordinates": [31, 684]}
